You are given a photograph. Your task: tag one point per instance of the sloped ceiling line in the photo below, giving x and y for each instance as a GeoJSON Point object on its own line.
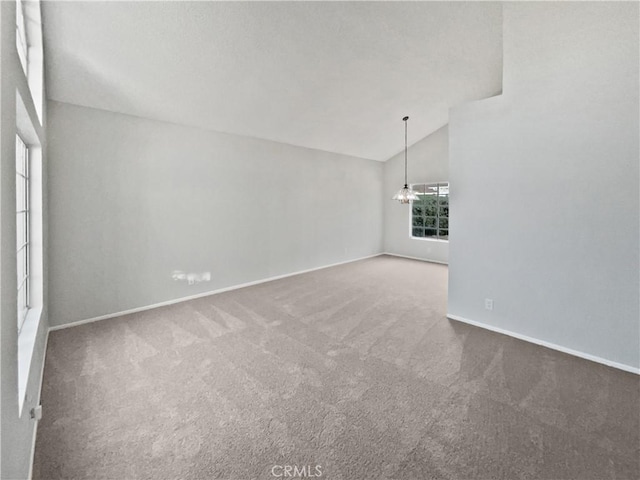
{"type": "Point", "coordinates": [332, 76]}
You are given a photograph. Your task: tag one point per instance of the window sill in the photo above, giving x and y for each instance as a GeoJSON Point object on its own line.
{"type": "Point", "coordinates": [429, 239]}
{"type": "Point", "coordinates": [26, 344]}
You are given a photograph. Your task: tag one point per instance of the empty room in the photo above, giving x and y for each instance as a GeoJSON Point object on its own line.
{"type": "Point", "coordinates": [319, 240]}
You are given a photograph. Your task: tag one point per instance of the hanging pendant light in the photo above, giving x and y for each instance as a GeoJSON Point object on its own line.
{"type": "Point", "coordinates": [405, 195]}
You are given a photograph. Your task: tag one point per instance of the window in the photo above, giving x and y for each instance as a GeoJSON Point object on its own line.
{"type": "Point", "coordinates": [29, 49]}
{"type": "Point", "coordinates": [21, 36]}
{"type": "Point", "coordinates": [22, 228]}
{"type": "Point", "coordinates": [430, 213]}
{"type": "Point", "coordinates": [29, 188]}
{"type": "Point", "coordinates": [29, 243]}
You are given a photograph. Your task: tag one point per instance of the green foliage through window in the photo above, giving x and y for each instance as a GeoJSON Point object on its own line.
{"type": "Point", "coordinates": [430, 213]}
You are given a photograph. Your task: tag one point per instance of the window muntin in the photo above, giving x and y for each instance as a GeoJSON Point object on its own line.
{"type": "Point", "coordinates": [430, 213]}
{"type": "Point", "coordinates": [22, 228]}
{"type": "Point", "coordinates": [21, 37]}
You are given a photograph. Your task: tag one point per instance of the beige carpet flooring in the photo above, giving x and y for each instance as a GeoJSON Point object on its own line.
{"type": "Point", "coordinates": [352, 369]}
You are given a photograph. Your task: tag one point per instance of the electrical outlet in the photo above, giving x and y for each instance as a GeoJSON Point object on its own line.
{"type": "Point", "coordinates": [488, 304]}
{"type": "Point", "coordinates": [36, 412]}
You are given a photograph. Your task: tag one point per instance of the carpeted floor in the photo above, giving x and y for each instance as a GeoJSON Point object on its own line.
{"type": "Point", "coordinates": [349, 369]}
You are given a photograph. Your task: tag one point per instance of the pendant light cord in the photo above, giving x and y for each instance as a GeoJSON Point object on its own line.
{"type": "Point", "coordinates": [405, 150]}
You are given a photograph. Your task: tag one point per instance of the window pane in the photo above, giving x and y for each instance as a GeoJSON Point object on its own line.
{"type": "Point", "coordinates": [19, 158]}
{"type": "Point", "coordinates": [21, 36]}
{"type": "Point", "coordinates": [22, 266]}
{"type": "Point", "coordinates": [20, 205]}
{"type": "Point", "coordinates": [430, 194]}
{"type": "Point", "coordinates": [444, 223]}
{"type": "Point", "coordinates": [22, 306]}
{"type": "Point", "coordinates": [444, 234]}
{"type": "Point", "coordinates": [417, 209]}
{"type": "Point", "coordinates": [444, 211]}
{"type": "Point", "coordinates": [430, 206]}
{"type": "Point", "coordinates": [418, 232]}
{"type": "Point", "coordinates": [418, 221]}
{"type": "Point", "coordinates": [21, 237]}
{"type": "Point", "coordinates": [430, 232]}
{"type": "Point", "coordinates": [443, 189]}
{"type": "Point", "coordinates": [22, 233]}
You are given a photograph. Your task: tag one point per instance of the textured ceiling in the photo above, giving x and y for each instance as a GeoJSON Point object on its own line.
{"type": "Point", "coordinates": [327, 75]}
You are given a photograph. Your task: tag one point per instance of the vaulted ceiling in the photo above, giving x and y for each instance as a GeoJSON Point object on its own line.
{"type": "Point", "coordinates": [335, 76]}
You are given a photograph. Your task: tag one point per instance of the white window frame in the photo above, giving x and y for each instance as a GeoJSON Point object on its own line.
{"type": "Point", "coordinates": [416, 186]}
{"type": "Point", "coordinates": [22, 44]}
{"type": "Point", "coordinates": [23, 240]}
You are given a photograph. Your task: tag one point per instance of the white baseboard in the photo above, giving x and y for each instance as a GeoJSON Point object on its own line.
{"type": "Point", "coordinates": [552, 346]}
{"type": "Point", "coordinates": [414, 258]}
{"type": "Point", "coordinates": [204, 294]}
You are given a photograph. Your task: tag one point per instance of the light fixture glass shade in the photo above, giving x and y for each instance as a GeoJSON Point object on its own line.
{"type": "Point", "coordinates": [405, 195]}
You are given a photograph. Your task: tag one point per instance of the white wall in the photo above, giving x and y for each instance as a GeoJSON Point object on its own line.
{"type": "Point", "coordinates": [133, 200]}
{"type": "Point", "coordinates": [545, 206]}
{"type": "Point", "coordinates": [17, 429]}
{"type": "Point", "coordinates": [428, 162]}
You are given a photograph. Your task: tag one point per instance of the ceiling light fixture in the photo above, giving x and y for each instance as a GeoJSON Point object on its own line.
{"type": "Point", "coordinates": [406, 194]}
